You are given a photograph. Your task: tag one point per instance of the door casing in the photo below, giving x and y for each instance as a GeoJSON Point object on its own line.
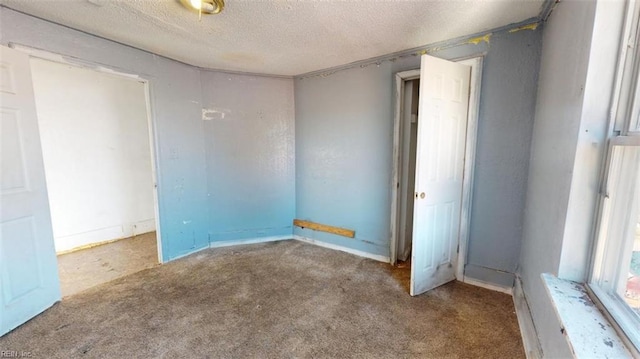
{"type": "Point", "coordinates": [151, 118]}
{"type": "Point", "coordinates": [470, 151]}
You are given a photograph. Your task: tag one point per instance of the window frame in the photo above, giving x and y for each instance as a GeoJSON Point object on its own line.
{"type": "Point", "coordinates": [623, 131]}
{"type": "Point", "coordinates": [615, 306]}
{"type": "Point", "coordinates": [626, 101]}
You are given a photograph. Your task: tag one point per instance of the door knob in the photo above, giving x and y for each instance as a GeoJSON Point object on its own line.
{"type": "Point", "coordinates": [422, 195]}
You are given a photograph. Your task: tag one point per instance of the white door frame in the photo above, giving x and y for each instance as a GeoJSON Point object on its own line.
{"type": "Point", "coordinates": [151, 121]}
{"type": "Point", "coordinates": [469, 164]}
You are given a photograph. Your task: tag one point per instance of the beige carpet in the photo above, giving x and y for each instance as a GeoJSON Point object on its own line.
{"type": "Point", "coordinates": [83, 269]}
{"type": "Point", "coordinates": [276, 300]}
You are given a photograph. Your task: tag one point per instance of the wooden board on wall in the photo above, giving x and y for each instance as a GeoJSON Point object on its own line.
{"type": "Point", "coordinates": [324, 228]}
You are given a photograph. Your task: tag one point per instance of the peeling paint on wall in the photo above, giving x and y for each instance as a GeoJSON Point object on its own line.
{"type": "Point", "coordinates": [209, 114]}
{"type": "Point", "coordinates": [250, 148]}
{"type": "Point", "coordinates": [342, 129]}
{"type": "Point", "coordinates": [531, 27]}
{"type": "Point", "coordinates": [479, 39]}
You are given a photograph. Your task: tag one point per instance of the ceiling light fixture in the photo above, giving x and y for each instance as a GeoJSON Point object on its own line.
{"type": "Point", "coordinates": [206, 7]}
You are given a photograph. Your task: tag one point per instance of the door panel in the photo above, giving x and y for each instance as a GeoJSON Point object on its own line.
{"type": "Point", "coordinates": [29, 281]}
{"type": "Point", "coordinates": [12, 173]}
{"type": "Point", "coordinates": [442, 125]}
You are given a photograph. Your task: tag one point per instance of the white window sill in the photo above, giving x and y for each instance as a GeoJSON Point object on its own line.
{"type": "Point", "coordinates": [588, 332]}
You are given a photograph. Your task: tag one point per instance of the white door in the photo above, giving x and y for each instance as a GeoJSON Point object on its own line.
{"type": "Point", "coordinates": [29, 281]}
{"type": "Point", "coordinates": [442, 127]}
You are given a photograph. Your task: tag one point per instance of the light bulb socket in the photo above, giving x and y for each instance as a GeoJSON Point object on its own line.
{"type": "Point", "coordinates": [208, 7]}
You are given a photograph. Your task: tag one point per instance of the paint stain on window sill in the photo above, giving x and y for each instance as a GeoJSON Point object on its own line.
{"type": "Point", "coordinates": [588, 332]}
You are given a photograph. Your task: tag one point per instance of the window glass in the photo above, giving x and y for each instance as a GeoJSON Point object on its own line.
{"type": "Point", "coordinates": [632, 290]}
{"type": "Point", "coordinates": [627, 191]}
{"type": "Point", "coordinates": [616, 277]}
{"type": "Point", "coordinates": [634, 122]}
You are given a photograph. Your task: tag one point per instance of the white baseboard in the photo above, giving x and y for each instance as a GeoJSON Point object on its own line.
{"type": "Point", "coordinates": [237, 242]}
{"type": "Point", "coordinates": [76, 241]}
{"type": "Point", "coordinates": [356, 252]}
{"type": "Point", "coordinates": [490, 286]}
{"type": "Point", "coordinates": [530, 340]}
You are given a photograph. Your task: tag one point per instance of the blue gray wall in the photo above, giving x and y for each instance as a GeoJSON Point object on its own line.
{"type": "Point", "coordinates": [190, 209]}
{"type": "Point", "coordinates": [562, 75]}
{"type": "Point", "coordinates": [249, 135]}
{"type": "Point", "coordinates": [344, 129]}
{"type": "Point", "coordinates": [231, 176]}
{"type": "Point", "coordinates": [579, 58]}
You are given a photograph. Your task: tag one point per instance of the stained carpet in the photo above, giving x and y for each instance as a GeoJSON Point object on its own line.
{"type": "Point", "coordinates": [275, 300]}
{"type": "Point", "coordinates": [83, 269]}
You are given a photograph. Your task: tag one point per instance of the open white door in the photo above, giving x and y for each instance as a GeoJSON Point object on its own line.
{"type": "Point", "coordinates": [442, 127]}
{"type": "Point", "coordinates": [29, 281]}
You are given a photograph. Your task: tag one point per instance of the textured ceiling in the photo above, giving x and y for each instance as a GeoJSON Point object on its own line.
{"type": "Point", "coordinates": [280, 37]}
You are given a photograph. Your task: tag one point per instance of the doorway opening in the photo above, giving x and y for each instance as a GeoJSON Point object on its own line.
{"type": "Point", "coordinates": [97, 150]}
{"type": "Point", "coordinates": [407, 176]}
{"type": "Point", "coordinates": [408, 143]}
{"type": "Point", "coordinates": [433, 165]}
